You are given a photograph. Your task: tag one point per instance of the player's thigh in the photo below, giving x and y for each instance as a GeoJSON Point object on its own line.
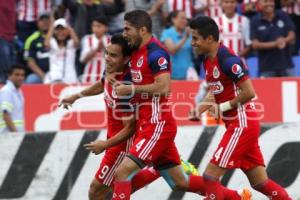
{"type": "Point", "coordinates": [214, 170]}
{"type": "Point", "coordinates": [127, 167]}
{"type": "Point", "coordinates": [98, 189]}
{"type": "Point", "coordinates": [257, 175]}
{"type": "Point", "coordinates": [110, 162]}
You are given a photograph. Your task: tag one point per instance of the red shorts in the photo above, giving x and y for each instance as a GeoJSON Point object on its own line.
{"type": "Point", "coordinates": [154, 145]}
{"type": "Point", "coordinates": [111, 160]}
{"type": "Point", "coordinates": [239, 148]}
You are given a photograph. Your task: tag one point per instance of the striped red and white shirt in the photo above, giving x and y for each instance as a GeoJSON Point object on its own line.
{"type": "Point", "coordinates": [214, 7]}
{"type": "Point", "coordinates": [234, 32]}
{"type": "Point", "coordinates": [30, 10]}
{"type": "Point", "coordinates": [292, 9]}
{"type": "Point", "coordinates": [185, 5]}
{"type": "Point", "coordinates": [93, 69]}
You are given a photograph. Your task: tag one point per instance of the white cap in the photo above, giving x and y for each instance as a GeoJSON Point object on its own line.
{"type": "Point", "coordinates": [60, 22]}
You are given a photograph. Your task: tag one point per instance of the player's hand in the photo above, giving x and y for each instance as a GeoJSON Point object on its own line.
{"type": "Point", "coordinates": [111, 78]}
{"type": "Point", "coordinates": [194, 115]}
{"type": "Point", "coordinates": [123, 90]}
{"type": "Point", "coordinates": [214, 111]}
{"type": "Point", "coordinates": [96, 147]}
{"type": "Point", "coordinates": [68, 101]}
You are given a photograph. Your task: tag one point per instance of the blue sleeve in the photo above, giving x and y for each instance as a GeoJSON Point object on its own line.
{"type": "Point", "coordinates": [235, 69]}
{"type": "Point", "coordinates": [290, 26]}
{"type": "Point", "coordinates": [159, 61]}
{"type": "Point", "coordinates": [253, 28]}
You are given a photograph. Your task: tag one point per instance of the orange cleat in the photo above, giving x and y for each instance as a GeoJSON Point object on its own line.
{"type": "Point", "coordinates": [245, 194]}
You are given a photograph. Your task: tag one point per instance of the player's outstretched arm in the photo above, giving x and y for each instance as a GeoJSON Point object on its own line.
{"type": "Point", "coordinates": [98, 146]}
{"type": "Point", "coordinates": [161, 85]}
{"type": "Point", "coordinates": [95, 89]}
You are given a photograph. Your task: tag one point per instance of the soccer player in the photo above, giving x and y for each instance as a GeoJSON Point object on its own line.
{"type": "Point", "coordinates": [232, 90]}
{"type": "Point", "coordinates": [121, 123]}
{"type": "Point", "coordinates": [156, 128]}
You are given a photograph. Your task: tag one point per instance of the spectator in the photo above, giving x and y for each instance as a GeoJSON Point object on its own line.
{"type": "Point", "coordinates": [7, 33]}
{"type": "Point", "coordinates": [234, 28]}
{"type": "Point", "coordinates": [84, 13]}
{"type": "Point", "coordinates": [177, 39]}
{"type": "Point", "coordinates": [12, 101]}
{"type": "Point", "coordinates": [62, 43]}
{"type": "Point", "coordinates": [293, 9]}
{"type": "Point", "coordinates": [157, 9]}
{"type": "Point", "coordinates": [271, 34]}
{"type": "Point", "coordinates": [36, 54]}
{"type": "Point", "coordinates": [249, 8]}
{"type": "Point", "coordinates": [190, 7]}
{"type": "Point", "coordinates": [28, 13]}
{"type": "Point", "coordinates": [210, 8]}
{"type": "Point", "coordinates": [93, 51]}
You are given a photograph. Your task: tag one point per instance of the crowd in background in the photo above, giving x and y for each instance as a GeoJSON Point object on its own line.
{"type": "Point", "coordinates": [65, 40]}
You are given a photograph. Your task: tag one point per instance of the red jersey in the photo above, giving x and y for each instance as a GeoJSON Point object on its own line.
{"type": "Point", "coordinates": [146, 63]}
{"type": "Point", "coordinates": [116, 108]}
{"type": "Point", "coordinates": [223, 75]}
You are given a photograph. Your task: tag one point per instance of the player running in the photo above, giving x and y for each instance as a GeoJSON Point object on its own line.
{"type": "Point", "coordinates": [156, 128]}
{"type": "Point", "coordinates": [232, 90]}
{"type": "Point", "coordinates": [121, 122]}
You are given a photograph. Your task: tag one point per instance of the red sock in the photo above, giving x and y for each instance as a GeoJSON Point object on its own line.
{"type": "Point", "coordinates": [230, 194]}
{"type": "Point", "coordinates": [272, 190]}
{"type": "Point", "coordinates": [196, 185]}
{"type": "Point", "coordinates": [214, 189]}
{"type": "Point", "coordinates": [122, 190]}
{"type": "Point", "coordinates": [143, 178]}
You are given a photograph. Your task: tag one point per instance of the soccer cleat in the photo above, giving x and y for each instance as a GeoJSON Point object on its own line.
{"type": "Point", "coordinates": [245, 194]}
{"type": "Point", "coordinates": [189, 168]}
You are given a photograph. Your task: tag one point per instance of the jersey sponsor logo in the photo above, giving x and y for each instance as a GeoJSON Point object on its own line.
{"type": "Point", "coordinates": [140, 61]}
{"type": "Point", "coordinates": [215, 87]}
{"type": "Point", "coordinates": [216, 72]}
{"type": "Point", "coordinates": [163, 63]}
{"type": "Point", "coordinates": [236, 69]}
{"type": "Point", "coordinates": [136, 76]}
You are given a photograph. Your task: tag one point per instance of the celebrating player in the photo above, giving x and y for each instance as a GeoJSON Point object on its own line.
{"type": "Point", "coordinates": [231, 88]}
{"type": "Point", "coordinates": [121, 123]}
{"type": "Point", "coordinates": [156, 128]}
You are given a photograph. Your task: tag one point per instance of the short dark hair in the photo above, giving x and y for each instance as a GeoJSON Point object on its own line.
{"type": "Point", "coordinates": [101, 19]}
{"type": "Point", "coordinates": [139, 19]}
{"type": "Point", "coordinates": [14, 67]}
{"type": "Point", "coordinates": [205, 26]}
{"type": "Point", "coordinates": [118, 39]}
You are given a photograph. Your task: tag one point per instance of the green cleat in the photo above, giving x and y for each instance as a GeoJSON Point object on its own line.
{"type": "Point", "coordinates": [189, 168]}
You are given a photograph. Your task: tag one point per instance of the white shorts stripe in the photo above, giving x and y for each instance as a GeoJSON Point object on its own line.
{"type": "Point", "coordinates": [158, 130]}
{"type": "Point", "coordinates": [155, 131]}
{"type": "Point", "coordinates": [230, 147]}
{"type": "Point", "coordinates": [154, 142]}
{"type": "Point", "coordinates": [112, 170]}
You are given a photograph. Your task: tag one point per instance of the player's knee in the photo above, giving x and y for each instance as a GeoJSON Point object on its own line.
{"type": "Point", "coordinates": [181, 185]}
{"type": "Point", "coordinates": [97, 191]}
